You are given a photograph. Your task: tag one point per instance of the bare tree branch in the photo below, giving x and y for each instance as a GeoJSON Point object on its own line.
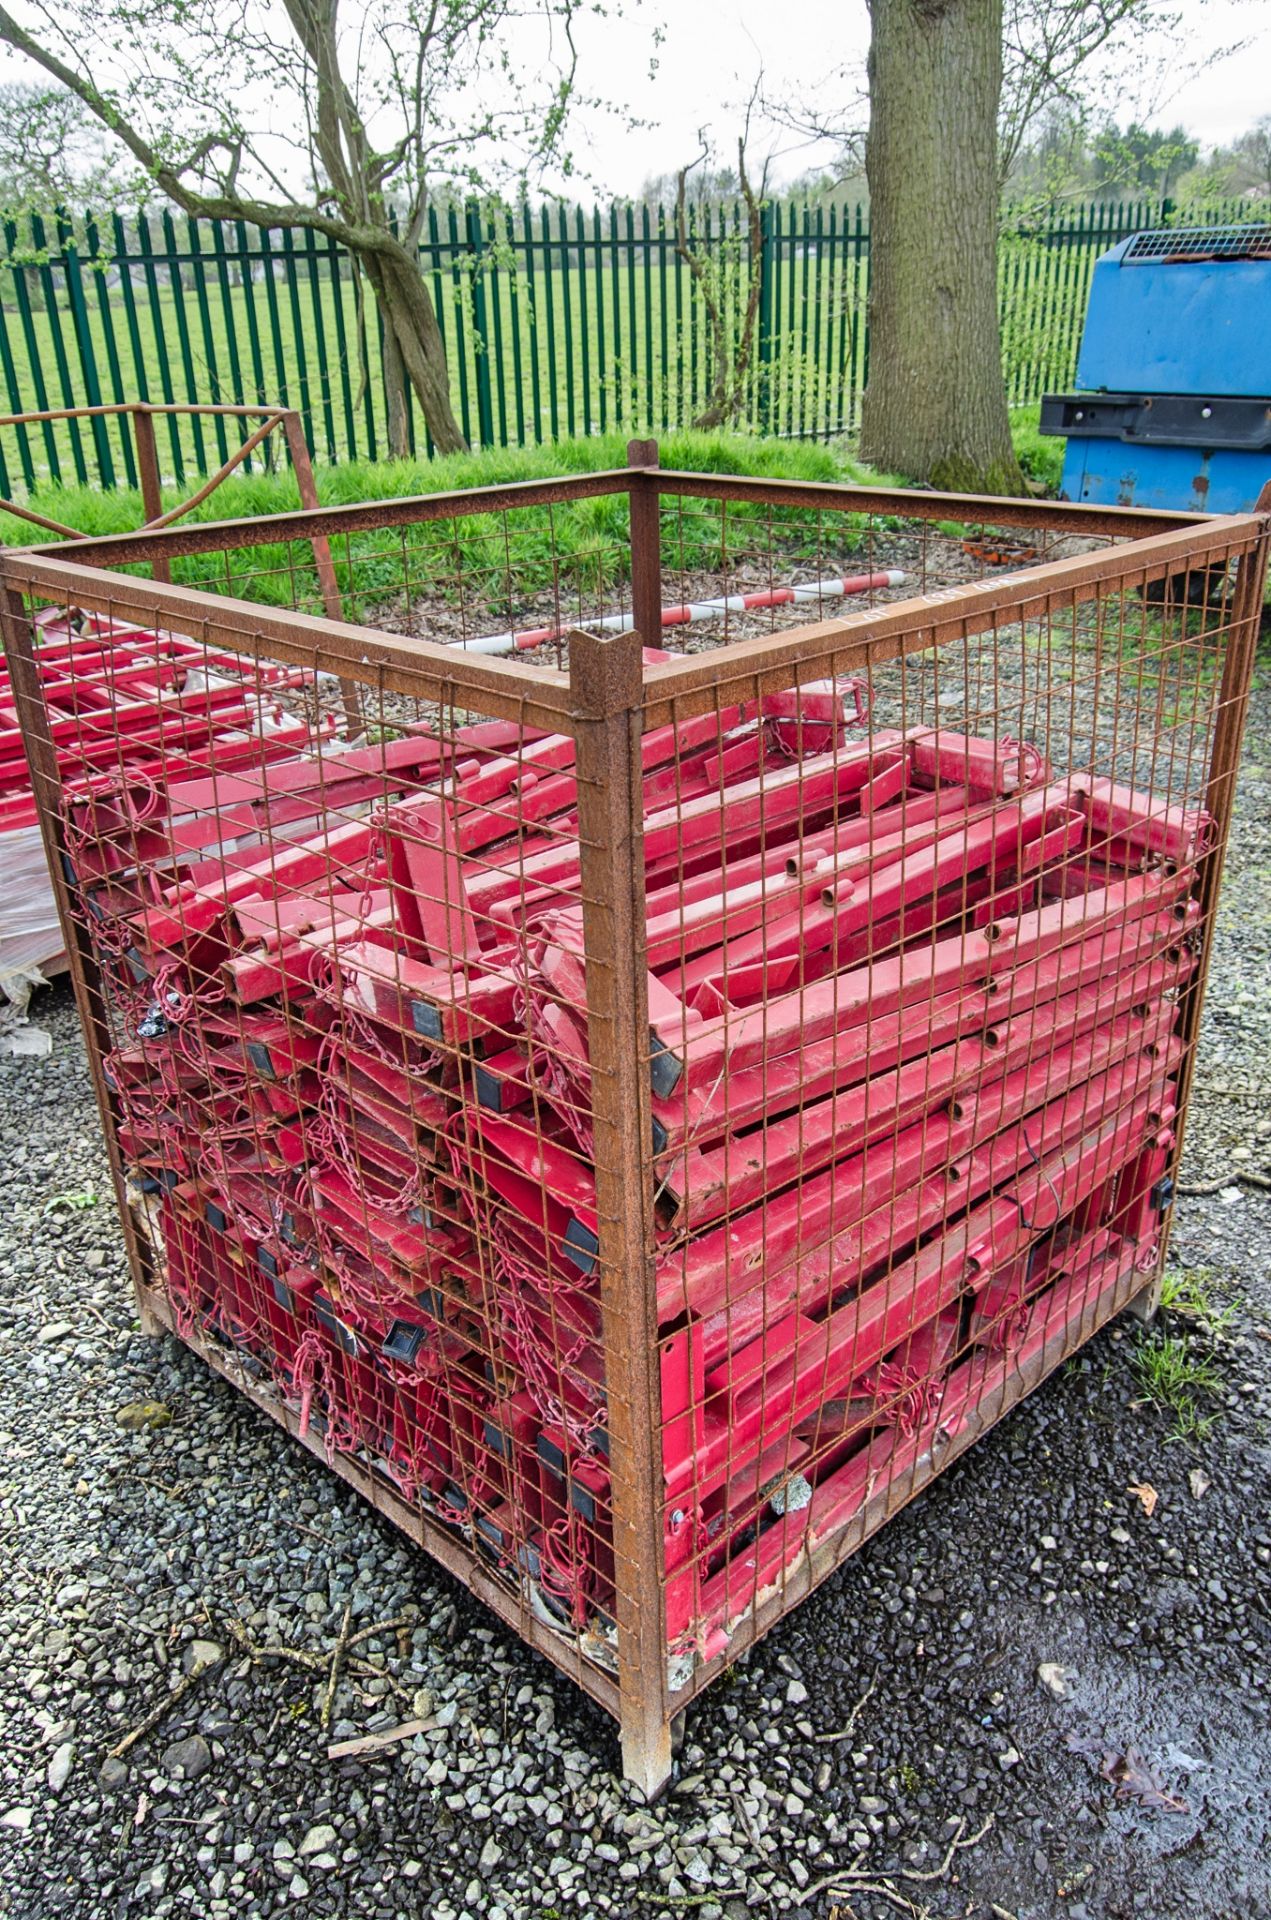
{"type": "Point", "coordinates": [358, 110]}
{"type": "Point", "coordinates": [730, 356]}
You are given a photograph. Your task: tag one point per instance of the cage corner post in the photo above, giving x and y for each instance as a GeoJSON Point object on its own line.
{"type": "Point", "coordinates": [324, 565]}
{"type": "Point", "coordinates": [606, 678]}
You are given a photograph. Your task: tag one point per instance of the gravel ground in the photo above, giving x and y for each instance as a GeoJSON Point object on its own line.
{"type": "Point", "coordinates": [928, 558]}
{"type": "Point", "coordinates": [899, 1710]}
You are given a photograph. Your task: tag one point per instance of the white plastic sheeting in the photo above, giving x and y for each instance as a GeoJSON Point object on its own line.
{"type": "Point", "coordinates": [30, 936]}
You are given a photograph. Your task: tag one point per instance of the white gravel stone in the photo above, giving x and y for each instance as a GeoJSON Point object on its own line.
{"type": "Point", "coordinates": [60, 1766]}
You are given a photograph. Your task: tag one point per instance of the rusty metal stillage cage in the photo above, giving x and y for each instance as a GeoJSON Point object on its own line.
{"type": "Point", "coordinates": [640, 1114]}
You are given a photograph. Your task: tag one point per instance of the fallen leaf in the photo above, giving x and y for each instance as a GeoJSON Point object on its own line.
{"type": "Point", "coordinates": [1128, 1773]}
{"type": "Point", "coordinates": [1133, 1779]}
{"type": "Point", "coordinates": [1199, 1482]}
{"type": "Point", "coordinates": [1147, 1494]}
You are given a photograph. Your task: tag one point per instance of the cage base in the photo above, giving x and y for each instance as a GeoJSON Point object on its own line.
{"type": "Point", "coordinates": [157, 1319]}
{"type": "Point", "coordinates": [648, 1751]}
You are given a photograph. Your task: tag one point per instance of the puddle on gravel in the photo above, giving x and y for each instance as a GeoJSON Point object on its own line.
{"type": "Point", "coordinates": [1202, 1744]}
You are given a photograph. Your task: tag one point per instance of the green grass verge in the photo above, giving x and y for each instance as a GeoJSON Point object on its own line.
{"type": "Point", "coordinates": [1170, 1377]}
{"type": "Point", "coordinates": [1172, 1370]}
{"type": "Point", "coordinates": [580, 547]}
{"type": "Point", "coordinates": [577, 550]}
{"type": "Point", "coordinates": [1189, 1292]}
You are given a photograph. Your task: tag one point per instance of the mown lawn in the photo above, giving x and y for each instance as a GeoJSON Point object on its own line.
{"type": "Point", "coordinates": [577, 547]}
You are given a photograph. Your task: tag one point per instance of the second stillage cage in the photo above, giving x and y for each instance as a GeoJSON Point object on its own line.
{"type": "Point", "coordinates": [641, 1110]}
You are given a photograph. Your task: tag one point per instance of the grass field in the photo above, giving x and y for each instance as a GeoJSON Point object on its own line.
{"type": "Point", "coordinates": [577, 549]}
{"type": "Point", "coordinates": [580, 547]}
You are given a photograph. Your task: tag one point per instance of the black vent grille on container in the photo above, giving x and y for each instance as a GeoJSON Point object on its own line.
{"type": "Point", "coordinates": [1202, 243]}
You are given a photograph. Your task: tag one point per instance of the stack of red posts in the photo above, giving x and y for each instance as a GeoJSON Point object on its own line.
{"type": "Point", "coordinates": [125, 700]}
{"type": "Point", "coordinates": [911, 1057]}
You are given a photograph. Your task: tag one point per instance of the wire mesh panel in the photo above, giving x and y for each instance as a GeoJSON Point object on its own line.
{"type": "Point", "coordinates": [923, 971]}
{"type": "Point", "coordinates": [640, 1110]}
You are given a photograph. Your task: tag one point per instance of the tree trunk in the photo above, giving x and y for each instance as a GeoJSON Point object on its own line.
{"type": "Point", "coordinates": [417, 350]}
{"type": "Point", "coordinates": [394, 369]}
{"type": "Point", "coordinates": [934, 408]}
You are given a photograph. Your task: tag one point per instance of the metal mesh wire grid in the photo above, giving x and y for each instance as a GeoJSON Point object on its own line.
{"type": "Point", "coordinates": [1201, 243]}
{"type": "Point", "coordinates": [639, 1110]}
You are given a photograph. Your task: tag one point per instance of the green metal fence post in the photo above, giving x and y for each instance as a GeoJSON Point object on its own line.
{"type": "Point", "coordinates": [496, 306]}
{"type": "Point", "coordinates": [16, 404]}
{"type": "Point", "coordinates": [549, 316]}
{"type": "Point", "coordinates": [99, 267]}
{"type": "Point", "coordinates": [53, 317]}
{"type": "Point", "coordinates": [602, 367]}
{"type": "Point", "coordinates": [288, 256]}
{"type": "Point", "coordinates": [567, 316]}
{"type": "Point", "coordinates": [580, 242]}
{"type": "Point", "coordinates": [229, 315]}
{"type": "Point", "coordinates": [148, 261]}
{"type": "Point", "coordinates": [461, 320]}
{"type": "Point", "coordinates": [765, 318]}
{"type": "Point", "coordinates": [514, 319]}
{"type": "Point", "coordinates": [312, 264]}
{"type": "Point", "coordinates": [198, 272]}
{"type": "Point", "coordinates": [22, 295]}
{"type": "Point", "coordinates": [531, 301]}
{"type": "Point", "coordinates": [480, 323]}
{"type": "Point", "coordinates": [83, 332]}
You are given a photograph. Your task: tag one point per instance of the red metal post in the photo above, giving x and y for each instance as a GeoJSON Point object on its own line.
{"type": "Point", "coordinates": [148, 475]}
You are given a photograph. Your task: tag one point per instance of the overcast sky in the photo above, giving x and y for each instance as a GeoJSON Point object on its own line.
{"type": "Point", "coordinates": [712, 51]}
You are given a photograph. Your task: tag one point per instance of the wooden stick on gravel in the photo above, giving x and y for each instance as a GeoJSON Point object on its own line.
{"type": "Point", "coordinates": [845, 1733]}
{"type": "Point", "coordinates": [337, 1661]}
{"type": "Point", "coordinates": [382, 1626]}
{"type": "Point", "coordinates": [299, 1656]}
{"type": "Point", "coordinates": [1240, 1176]}
{"type": "Point", "coordinates": [866, 1880]}
{"type": "Point", "coordinates": [956, 1845]}
{"type": "Point", "coordinates": [316, 1662]}
{"type": "Point", "coordinates": [158, 1713]}
{"type": "Point", "coordinates": [377, 1742]}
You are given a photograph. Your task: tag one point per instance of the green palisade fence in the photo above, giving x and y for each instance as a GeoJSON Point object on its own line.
{"type": "Point", "coordinates": [556, 321]}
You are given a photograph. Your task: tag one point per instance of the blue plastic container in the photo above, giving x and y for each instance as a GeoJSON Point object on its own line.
{"type": "Point", "coordinates": [1174, 374]}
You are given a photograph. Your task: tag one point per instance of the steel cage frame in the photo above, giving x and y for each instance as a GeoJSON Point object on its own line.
{"type": "Point", "coordinates": [606, 702]}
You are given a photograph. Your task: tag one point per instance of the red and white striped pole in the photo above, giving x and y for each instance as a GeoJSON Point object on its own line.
{"type": "Point", "coordinates": [522, 640]}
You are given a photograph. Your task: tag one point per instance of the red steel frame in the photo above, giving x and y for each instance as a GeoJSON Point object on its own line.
{"type": "Point", "coordinates": [607, 713]}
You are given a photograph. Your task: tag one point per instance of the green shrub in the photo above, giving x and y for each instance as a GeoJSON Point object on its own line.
{"type": "Point", "coordinates": [1040, 455]}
